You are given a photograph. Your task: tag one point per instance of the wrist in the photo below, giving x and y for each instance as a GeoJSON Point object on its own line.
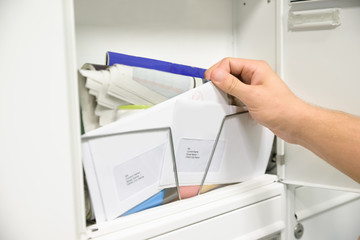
{"type": "Point", "coordinates": [295, 121]}
{"type": "Point", "coordinates": [304, 123]}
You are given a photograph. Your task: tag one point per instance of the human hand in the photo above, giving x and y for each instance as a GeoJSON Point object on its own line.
{"type": "Point", "coordinates": [269, 101]}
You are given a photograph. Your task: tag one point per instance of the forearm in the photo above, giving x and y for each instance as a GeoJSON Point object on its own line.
{"type": "Point", "coordinates": [334, 136]}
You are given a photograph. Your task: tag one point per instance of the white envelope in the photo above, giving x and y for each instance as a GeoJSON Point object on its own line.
{"type": "Point", "coordinates": [120, 173]}
{"type": "Point", "coordinates": [242, 151]}
{"type": "Point", "coordinates": [131, 159]}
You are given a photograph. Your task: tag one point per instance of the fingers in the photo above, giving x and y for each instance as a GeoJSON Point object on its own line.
{"type": "Point", "coordinates": [228, 83]}
{"type": "Point", "coordinates": [208, 72]}
{"type": "Point", "coordinates": [238, 77]}
{"type": "Point", "coordinates": [223, 64]}
{"type": "Point", "coordinates": [240, 68]}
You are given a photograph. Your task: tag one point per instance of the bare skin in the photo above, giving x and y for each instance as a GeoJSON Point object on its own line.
{"type": "Point", "coordinates": [332, 135]}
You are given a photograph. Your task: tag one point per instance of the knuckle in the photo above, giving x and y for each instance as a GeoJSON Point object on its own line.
{"type": "Point", "coordinates": [263, 62]}
{"type": "Point", "coordinates": [226, 60]}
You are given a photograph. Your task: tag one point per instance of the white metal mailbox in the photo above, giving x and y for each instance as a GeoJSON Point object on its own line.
{"type": "Point", "coordinates": [313, 45]}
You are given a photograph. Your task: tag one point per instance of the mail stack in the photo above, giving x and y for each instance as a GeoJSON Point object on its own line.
{"type": "Point", "coordinates": [195, 138]}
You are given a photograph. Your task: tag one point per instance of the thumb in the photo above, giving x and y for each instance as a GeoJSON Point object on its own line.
{"type": "Point", "coordinates": [228, 83]}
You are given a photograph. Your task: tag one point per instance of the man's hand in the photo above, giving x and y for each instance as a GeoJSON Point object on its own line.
{"type": "Point", "coordinates": [269, 101]}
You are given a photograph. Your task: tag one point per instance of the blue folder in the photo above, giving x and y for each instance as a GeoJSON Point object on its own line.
{"type": "Point", "coordinates": [119, 58]}
{"type": "Point", "coordinates": [155, 200]}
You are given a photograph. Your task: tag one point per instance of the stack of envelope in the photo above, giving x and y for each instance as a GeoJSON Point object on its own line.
{"type": "Point", "coordinates": [112, 86]}
{"type": "Point", "coordinates": [195, 138]}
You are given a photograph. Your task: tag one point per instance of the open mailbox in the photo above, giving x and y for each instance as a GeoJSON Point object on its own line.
{"type": "Point", "coordinates": [312, 45]}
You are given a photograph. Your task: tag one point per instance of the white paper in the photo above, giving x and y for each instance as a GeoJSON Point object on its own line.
{"type": "Point", "coordinates": [139, 173]}
{"type": "Point", "coordinates": [124, 87]}
{"type": "Point", "coordinates": [106, 115]}
{"type": "Point", "coordinates": [106, 159]}
{"type": "Point", "coordinates": [164, 83]}
{"type": "Point", "coordinates": [194, 154]}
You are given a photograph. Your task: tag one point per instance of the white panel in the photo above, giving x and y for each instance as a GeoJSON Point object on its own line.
{"type": "Point", "coordinates": [180, 214]}
{"type": "Point", "coordinates": [321, 67]}
{"type": "Point", "coordinates": [40, 199]}
{"type": "Point", "coordinates": [197, 33]}
{"type": "Point", "coordinates": [311, 201]}
{"type": "Point", "coordinates": [255, 30]}
{"type": "Point", "coordinates": [252, 222]}
{"type": "Point", "coordinates": [342, 222]}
